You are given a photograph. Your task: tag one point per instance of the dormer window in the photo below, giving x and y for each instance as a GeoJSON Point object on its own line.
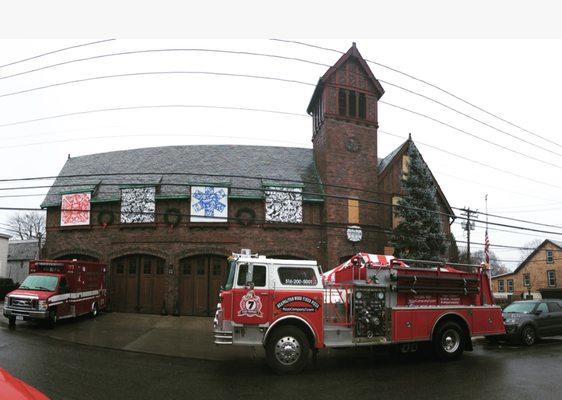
{"type": "Point", "coordinates": [352, 104]}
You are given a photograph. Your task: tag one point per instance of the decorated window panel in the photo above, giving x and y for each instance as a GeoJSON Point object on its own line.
{"type": "Point", "coordinates": [209, 204]}
{"type": "Point", "coordinates": [138, 205]}
{"type": "Point", "coordinates": [283, 205]}
{"type": "Point", "coordinates": [75, 209]}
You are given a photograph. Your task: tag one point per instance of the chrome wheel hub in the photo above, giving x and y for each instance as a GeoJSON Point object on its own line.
{"type": "Point", "coordinates": [529, 335]}
{"type": "Point", "coordinates": [451, 341]}
{"type": "Point", "coordinates": [287, 350]}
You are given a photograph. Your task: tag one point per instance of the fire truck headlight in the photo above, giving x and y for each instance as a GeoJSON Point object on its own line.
{"type": "Point", "coordinates": [6, 300]}
{"type": "Point", "coordinates": [42, 305]}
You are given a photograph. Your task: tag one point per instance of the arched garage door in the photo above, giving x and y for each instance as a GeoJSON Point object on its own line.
{"type": "Point", "coordinates": [138, 284]}
{"type": "Point", "coordinates": [76, 256]}
{"type": "Point", "coordinates": [200, 280]}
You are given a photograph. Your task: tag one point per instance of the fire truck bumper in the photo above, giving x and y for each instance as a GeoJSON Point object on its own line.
{"type": "Point", "coordinates": [10, 312]}
{"type": "Point", "coordinates": [223, 337]}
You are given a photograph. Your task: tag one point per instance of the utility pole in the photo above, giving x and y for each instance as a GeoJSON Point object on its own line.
{"type": "Point", "coordinates": [468, 226]}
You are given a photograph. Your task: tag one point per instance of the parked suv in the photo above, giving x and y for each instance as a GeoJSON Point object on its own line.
{"type": "Point", "coordinates": [526, 321]}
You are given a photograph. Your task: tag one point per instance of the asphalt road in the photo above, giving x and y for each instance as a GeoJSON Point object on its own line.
{"type": "Point", "coordinates": [69, 371]}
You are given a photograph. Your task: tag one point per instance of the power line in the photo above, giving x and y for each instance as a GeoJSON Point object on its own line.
{"type": "Point", "coordinates": [147, 73]}
{"type": "Point", "coordinates": [56, 51]}
{"type": "Point", "coordinates": [472, 160]}
{"type": "Point", "coordinates": [275, 79]}
{"type": "Point", "coordinates": [81, 185]}
{"type": "Point", "coordinates": [125, 53]}
{"type": "Point", "coordinates": [157, 106]}
{"type": "Point", "coordinates": [429, 84]}
{"type": "Point", "coordinates": [470, 134]}
{"type": "Point", "coordinates": [255, 177]}
{"type": "Point", "coordinates": [472, 118]}
{"type": "Point", "coordinates": [341, 225]}
{"type": "Point", "coordinates": [265, 111]}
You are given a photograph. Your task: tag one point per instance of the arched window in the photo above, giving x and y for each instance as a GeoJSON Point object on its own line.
{"type": "Point", "coordinates": [342, 102]}
{"type": "Point", "coordinates": [362, 106]}
{"type": "Point", "coordinates": [352, 103]}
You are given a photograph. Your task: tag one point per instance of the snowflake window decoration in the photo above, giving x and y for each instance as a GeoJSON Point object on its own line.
{"type": "Point", "coordinates": [283, 205]}
{"type": "Point", "coordinates": [138, 205]}
{"type": "Point", "coordinates": [75, 209]}
{"type": "Point", "coordinates": [209, 204]}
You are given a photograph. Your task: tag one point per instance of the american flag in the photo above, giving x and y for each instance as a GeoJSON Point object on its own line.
{"type": "Point", "coordinates": [487, 248]}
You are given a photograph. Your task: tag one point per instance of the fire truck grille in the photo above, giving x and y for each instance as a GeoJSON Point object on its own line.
{"type": "Point", "coordinates": [19, 302]}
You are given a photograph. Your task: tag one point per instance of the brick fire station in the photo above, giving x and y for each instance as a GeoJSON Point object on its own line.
{"type": "Point", "coordinates": [165, 219]}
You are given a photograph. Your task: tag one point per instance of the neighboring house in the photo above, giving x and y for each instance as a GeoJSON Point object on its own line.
{"type": "Point", "coordinates": [165, 219]}
{"type": "Point", "coordinates": [20, 252]}
{"type": "Point", "coordinates": [3, 254]}
{"type": "Point", "coordinates": [539, 274]}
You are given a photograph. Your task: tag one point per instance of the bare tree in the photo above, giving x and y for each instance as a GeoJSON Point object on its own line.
{"type": "Point", "coordinates": [533, 244]}
{"type": "Point", "coordinates": [27, 225]}
{"type": "Point", "coordinates": [477, 257]}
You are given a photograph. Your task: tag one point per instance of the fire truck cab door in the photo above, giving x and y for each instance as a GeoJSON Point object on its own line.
{"type": "Point", "coordinates": [251, 296]}
{"type": "Point", "coordinates": [63, 309]}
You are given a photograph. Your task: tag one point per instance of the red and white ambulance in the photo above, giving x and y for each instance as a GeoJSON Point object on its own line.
{"type": "Point", "coordinates": [57, 289]}
{"type": "Point", "coordinates": [290, 308]}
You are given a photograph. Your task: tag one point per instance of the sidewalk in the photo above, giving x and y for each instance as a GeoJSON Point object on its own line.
{"type": "Point", "coordinates": [189, 337]}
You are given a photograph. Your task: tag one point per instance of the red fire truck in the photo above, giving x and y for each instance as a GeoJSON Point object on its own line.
{"type": "Point", "coordinates": [57, 289]}
{"type": "Point", "coordinates": [290, 308]}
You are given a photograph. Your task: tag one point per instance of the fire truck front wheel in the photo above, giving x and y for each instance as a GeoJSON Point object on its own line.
{"type": "Point", "coordinates": [52, 319]}
{"type": "Point", "coordinates": [287, 350]}
{"type": "Point", "coordinates": [449, 341]}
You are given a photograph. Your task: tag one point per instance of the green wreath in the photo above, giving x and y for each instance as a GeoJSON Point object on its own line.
{"type": "Point", "coordinates": [172, 217]}
{"type": "Point", "coordinates": [245, 221]}
{"type": "Point", "coordinates": [102, 220]}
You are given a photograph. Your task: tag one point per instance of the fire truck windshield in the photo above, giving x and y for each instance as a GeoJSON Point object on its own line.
{"type": "Point", "coordinates": [40, 282]}
{"type": "Point", "coordinates": [230, 279]}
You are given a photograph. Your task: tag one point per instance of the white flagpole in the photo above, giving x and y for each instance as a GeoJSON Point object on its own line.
{"type": "Point", "coordinates": [488, 241]}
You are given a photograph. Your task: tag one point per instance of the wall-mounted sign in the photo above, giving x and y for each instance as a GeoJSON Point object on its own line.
{"type": "Point", "coordinates": [75, 209]}
{"type": "Point", "coordinates": [209, 204]}
{"type": "Point", "coordinates": [354, 233]}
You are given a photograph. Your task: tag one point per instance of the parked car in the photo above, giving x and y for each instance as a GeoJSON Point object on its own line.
{"type": "Point", "coordinates": [528, 320]}
{"type": "Point", "coordinates": [13, 389]}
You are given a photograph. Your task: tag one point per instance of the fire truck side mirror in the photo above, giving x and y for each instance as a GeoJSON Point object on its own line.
{"type": "Point", "coordinates": [250, 285]}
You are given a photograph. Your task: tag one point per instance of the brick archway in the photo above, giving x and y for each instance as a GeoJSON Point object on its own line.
{"type": "Point", "coordinates": [77, 252]}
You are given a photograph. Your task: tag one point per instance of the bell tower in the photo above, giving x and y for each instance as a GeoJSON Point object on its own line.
{"type": "Point", "coordinates": [345, 121]}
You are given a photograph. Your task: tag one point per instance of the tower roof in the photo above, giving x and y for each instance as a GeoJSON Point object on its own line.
{"type": "Point", "coordinates": [351, 53]}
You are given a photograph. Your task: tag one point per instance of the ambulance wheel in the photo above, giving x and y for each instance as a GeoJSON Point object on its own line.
{"type": "Point", "coordinates": [287, 350]}
{"type": "Point", "coordinates": [448, 341]}
{"type": "Point", "coordinates": [95, 311]}
{"type": "Point", "coordinates": [52, 320]}
{"type": "Point", "coordinates": [12, 322]}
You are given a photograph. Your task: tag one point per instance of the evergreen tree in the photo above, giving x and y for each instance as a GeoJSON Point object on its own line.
{"type": "Point", "coordinates": [419, 234]}
{"type": "Point", "coordinates": [453, 252]}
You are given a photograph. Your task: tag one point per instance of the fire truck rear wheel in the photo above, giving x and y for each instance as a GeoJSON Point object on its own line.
{"type": "Point", "coordinates": [95, 311]}
{"type": "Point", "coordinates": [448, 341]}
{"type": "Point", "coordinates": [287, 350]}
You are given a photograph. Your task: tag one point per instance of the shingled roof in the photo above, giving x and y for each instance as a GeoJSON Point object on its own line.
{"type": "Point", "coordinates": [173, 168]}
{"type": "Point", "coordinates": [19, 250]}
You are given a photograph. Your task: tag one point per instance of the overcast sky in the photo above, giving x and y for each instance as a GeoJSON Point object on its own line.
{"type": "Point", "coordinates": [518, 80]}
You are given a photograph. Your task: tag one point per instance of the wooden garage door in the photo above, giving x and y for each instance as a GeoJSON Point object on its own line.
{"type": "Point", "coordinates": [138, 284]}
{"type": "Point", "coordinates": [200, 280]}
